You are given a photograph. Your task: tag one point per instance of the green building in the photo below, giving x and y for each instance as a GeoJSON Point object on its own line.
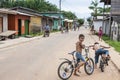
{"type": "Point", "coordinates": [57, 18]}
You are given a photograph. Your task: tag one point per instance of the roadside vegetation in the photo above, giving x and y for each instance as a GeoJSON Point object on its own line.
{"type": "Point", "coordinates": [112, 43]}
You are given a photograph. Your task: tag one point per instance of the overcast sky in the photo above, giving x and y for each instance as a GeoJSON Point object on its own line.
{"type": "Point", "coordinates": [79, 7]}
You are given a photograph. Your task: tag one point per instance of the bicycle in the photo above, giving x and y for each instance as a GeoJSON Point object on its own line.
{"type": "Point", "coordinates": [103, 63]}
{"type": "Point", "coordinates": [66, 68]}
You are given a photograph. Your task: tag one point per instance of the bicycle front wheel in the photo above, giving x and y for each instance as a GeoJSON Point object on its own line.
{"type": "Point", "coordinates": [89, 66]}
{"type": "Point", "coordinates": [65, 70]}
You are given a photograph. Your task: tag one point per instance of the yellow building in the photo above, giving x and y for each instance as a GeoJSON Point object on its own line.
{"type": "Point", "coordinates": [35, 24]}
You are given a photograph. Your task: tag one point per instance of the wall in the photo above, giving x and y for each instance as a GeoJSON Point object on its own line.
{"type": "Point", "coordinates": [55, 26]}
{"type": "Point", "coordinates": [13, 22]}
{"type": "Point", "coordinates": [35, 23]}
{"type": "Point", "coordinates": [106, 27]}
{"type": "Point", "coordinates": [97, 25]}
{"type": "Point", "coordinates": [5, 21]}
{"type": "Point", "coordinates": [115, 30]}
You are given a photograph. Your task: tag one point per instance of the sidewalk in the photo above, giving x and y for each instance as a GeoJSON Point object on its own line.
{"type": "Point", "coordinates": [20, 40]}
{"type": "Point", "coordinates": [12, 42]}
{"type": "Point", "coordinates": [115, 56]}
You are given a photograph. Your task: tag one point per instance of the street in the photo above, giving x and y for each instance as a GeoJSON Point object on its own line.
{"type": "Point", "coordinates": [39, 59]}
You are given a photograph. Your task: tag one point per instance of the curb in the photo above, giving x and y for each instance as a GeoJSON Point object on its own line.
{"type": "Point", "coordinates": [38, 37]}
{"type": "Point", "coordinates": [19, 43]}
{"type": "Point", "coordinates": [115, 66]}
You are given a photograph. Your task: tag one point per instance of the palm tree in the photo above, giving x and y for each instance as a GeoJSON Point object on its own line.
{"type": "Point", "coordinates": [94, 7]}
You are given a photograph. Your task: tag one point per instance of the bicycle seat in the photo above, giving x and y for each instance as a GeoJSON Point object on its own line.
{"type": "Point", "coordinates": [72, 53]}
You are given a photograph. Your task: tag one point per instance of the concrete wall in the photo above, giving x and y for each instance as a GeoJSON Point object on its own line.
{"type": "Point", "coordinates": [115, 30]}
{"type": "Point", "coordinates": [35, 24]}
{"type": "Point", "coordinates": [97, 25]}
{"type": "Point", "coordinates": [5, 22]}
{"type": "Point", "coordinates": [106, 27]}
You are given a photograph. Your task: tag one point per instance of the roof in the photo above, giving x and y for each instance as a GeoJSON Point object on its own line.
{"type": "Point", "coordinates": [50, 12]}
{"type": "Point", "coordinates": [8, 11]}
{"type": "Point", "coordinates": [26, 10]}
{"type": "Point", "coordinates": [67, 20]}
{"type": "Point", "coordinates": [107, 2]}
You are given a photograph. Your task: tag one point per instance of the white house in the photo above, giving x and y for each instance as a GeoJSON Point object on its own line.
{"type": "Point", "coordinates": [98, 23]}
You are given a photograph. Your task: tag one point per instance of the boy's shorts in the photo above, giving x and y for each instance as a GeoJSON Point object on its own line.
{"type": "Point", "coordinates": [79, 57]}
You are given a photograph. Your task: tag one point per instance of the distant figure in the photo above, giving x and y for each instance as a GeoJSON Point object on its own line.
{"type": "Point", "coordinates": [61, 29]}
{"type": "Point", "coordinates": [74, 27]}
{"type": "Point", "coordinates": [100, 33]}
{"type": "Point", "coordinates": [46, 30]}
{"type": "Point", "coordinates": [92, 30]}
{"type": "Point", "coordinates": [67, 29]}
{"type": "Point", "coordinates": [78, 26]}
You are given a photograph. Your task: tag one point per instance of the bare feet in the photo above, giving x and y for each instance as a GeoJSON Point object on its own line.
{"type": "Point", "coordinates": [76, 74]}
{"type": "Point", "coordinates": [79, 71]}
{"type": "Point", "coordinates": [95, 66]}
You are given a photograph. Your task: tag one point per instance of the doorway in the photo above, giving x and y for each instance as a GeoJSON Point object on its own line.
{"type": "Point", "coordinates": [26, 27]}
{"type": "Point", "coordinates": [19, 27]}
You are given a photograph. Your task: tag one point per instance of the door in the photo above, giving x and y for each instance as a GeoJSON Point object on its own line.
{"type": "Point", "coordinates": [19, 27]}
{"type": "Point", "coordinates": [1, 24]}
{"type": "Point", "coordinates": [26, 27]}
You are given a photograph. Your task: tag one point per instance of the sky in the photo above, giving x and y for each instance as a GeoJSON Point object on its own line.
{"type": "Point", "coordinates": [79, 7]}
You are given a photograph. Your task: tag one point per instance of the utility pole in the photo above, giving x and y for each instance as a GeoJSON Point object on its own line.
{"type": "Point", "coordinates": [60, 16]}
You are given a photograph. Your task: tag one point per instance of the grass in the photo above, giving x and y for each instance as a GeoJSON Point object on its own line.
{"type": "Point", "coordinates": [41, 33]}
{"type": "Point", "coordinates": [36, 34]}
{"type": "Point", "coordinates": [112, 43]}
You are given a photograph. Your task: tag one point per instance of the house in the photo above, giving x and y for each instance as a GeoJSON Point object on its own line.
{"type": "Point", "coordinates": [114, 19]}
{"type": "Point", "coordinates": [69, 23]}
{"type": "Point", "coordinates": [98, 23]}
{"type": "Point", "coordinates": [54, 20]}
{"type": "Point", "coordinates": [13, 20]}
{"type": "Point", "coordinates": [51, 21]}
{"type": "Point", "coordinates": [35, 20]}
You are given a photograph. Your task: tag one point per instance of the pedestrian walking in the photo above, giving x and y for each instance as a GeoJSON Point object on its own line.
{"type": "Point", "coordinates": [92, 29]}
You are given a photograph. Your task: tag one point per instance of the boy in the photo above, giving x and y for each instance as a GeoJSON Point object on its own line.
{"type": "Point", "coordinates": [99, 51]}
{"type": "Point", "coordinates": [79, 47]}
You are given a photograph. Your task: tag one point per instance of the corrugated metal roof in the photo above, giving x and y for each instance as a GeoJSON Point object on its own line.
{"type": "Point", "coordinates": [26, 10]}
{"type": "Point", "coordinates": [8, 11]}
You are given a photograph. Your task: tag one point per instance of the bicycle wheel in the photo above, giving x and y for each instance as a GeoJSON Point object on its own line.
{"type": "Point", "coordinates": [89, 66]}
{"type": "Point", "coordinates": [65, 70]}
{"type": "Point", "coordinates": [102, 67]}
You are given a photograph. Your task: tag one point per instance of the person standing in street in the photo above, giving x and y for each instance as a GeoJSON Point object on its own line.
{"type": "Point", "coordinates": [100, 33]}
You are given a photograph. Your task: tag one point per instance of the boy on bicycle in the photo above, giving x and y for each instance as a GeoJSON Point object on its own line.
{"type": "Point", "coordinates": [79, 47]}
{"type": "Point", "coordinates": [99, 50]}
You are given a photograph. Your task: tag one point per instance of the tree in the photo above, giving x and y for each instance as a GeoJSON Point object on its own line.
{"type": "Point", "coordinates": [81, 21]}
{"type": "Point", "coordinates": [38, 5]}
{"type": "Point", "coordinates": [89, 21]}
{"type": "Point", "coordinates": [69, 14]}
{"type": "Point", "coordinates": [94, 7]}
